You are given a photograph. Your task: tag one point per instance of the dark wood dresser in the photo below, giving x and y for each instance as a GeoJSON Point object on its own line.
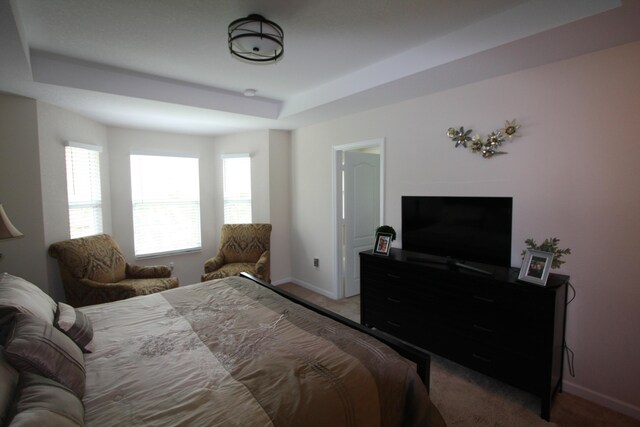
{"type": "Point", "coordinates": [492, 323]}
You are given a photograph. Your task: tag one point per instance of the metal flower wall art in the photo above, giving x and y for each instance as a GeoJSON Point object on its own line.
{"type": "Point", "coordinates": [490, 145]}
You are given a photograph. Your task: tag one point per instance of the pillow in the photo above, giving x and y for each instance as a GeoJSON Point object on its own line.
{"type": "Point", "coordinates": [8, 381]}
{"type": "Point", "coordinates": [16, 294]}
{"type": "Point", "coordinates": [35, 346]}
{"type": "Point", "coordinates": [40, 401]}
{"type": "Point", "coordinates": [76, 325]}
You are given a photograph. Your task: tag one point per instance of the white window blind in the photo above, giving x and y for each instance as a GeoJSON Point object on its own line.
{"type": "Point", "coordinates": [237, 188]}
{"type": "Point", "coordinates": [83, 189]}
{"type": "Point", "coordinates": [166, 204]}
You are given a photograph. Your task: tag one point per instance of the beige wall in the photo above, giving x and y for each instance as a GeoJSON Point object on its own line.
{"type": "Point", "coordinates": [270, 176]}
{"type": "Point", "coordinates": [573, 174]}
{"type": "Point", "coordinates": [280, 204]}
{"type": "Point", "coordinates": [55, 126]}
{"type": "Point", "coordinates": [189, 266]}
{"type": "Point", "coordinates": [20, 190]}
{"type": "Point", "coordinates": [124, 142]}
{"type": "Point", "coordinates": [33, 186]}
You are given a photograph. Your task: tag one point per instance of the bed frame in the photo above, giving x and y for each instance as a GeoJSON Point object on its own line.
{"type": "Point", "coordinates": [421, 358]}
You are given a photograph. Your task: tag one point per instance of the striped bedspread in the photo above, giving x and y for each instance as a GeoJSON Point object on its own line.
{"type": "Point", "coordinates": [232, 353]}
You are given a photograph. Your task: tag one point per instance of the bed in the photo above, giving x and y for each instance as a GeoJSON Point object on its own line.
{"type": "Point", "coordinates": [238, 351]}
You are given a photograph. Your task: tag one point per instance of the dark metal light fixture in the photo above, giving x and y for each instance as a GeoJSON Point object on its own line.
{"type": "Point", "coordinates": [256, 39]}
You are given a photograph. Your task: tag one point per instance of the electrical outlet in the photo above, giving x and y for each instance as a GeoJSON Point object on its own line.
{"type": "Point", "coordinates": [171, 265]}
{"type": "Point", "coordinates": [316, 262]}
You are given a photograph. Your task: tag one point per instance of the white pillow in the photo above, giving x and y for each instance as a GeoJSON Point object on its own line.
{"type": "Point", "coordinates": [25, 297]}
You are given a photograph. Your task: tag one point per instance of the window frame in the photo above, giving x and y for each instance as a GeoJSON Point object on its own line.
{"type": "Point", "coordinates": [225, 199]}
{"type": "Point", "coordinates": [96, 204]}
{"type": "Point", "coordinates": [197, 242]}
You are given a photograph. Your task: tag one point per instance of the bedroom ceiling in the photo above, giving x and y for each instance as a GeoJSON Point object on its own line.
{"type": "Point", "coordinates": [164, 64]}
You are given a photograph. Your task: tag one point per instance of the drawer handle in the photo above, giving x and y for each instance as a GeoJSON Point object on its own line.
{"type": "Point", "coordinates": [393, 276]}
{"type": "Point", "coordinates": [393, 300]}
{"type": "Point", "coordinates": [481, 358]}
{"type": "Point", "coordinates": [483, 329]}
{"type": "Point", "coordinates": [394, 324]}
{"type": "Point", "coordinates": [483, 299]}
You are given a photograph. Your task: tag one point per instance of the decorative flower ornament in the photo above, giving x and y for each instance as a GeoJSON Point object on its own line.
{"type": "Point", "coordinates": [510, 129]}
{"type": "Point", "coordinates": [459, 136]}
{"type": "Point", "coordinates": [487, 146]}
{"type": "Point", "coordinates": [495, 139]}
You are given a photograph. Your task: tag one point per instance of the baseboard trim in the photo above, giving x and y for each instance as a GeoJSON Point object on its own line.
{"type": "Point", "coordinates": [311, 287]}
{"type": "Point", "coordinates": [601, 399]}
{"type": "Point", "coordinates": [282, 281]}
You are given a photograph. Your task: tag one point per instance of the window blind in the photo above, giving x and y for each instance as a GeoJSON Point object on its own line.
{"type": "Point", "coordinates": [237, 189]}
{"type": "Point", "coordinates": [83, 189]}
{"type": "Point", "coordinates": [165, 194]}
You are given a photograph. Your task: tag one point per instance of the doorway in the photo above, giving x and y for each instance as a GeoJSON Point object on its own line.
{"type": "Point", "coordinates": [359, 202]}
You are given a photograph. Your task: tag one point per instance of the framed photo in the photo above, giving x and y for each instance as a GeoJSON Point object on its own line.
{"type": "Point", "coordinates": [535, 267]}
{"type": "Point", "coordinates": [383, 244]}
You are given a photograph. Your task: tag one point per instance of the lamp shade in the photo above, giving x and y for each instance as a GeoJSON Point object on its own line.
{"type": "Point", "coordinates": [256, 39]}
{"type": "Point", "coordinates": [7, 230]}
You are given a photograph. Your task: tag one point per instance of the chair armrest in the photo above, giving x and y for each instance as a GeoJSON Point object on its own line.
{"type": "Point", "coordinates": [97, 293]}
{"type": "Point", "coordinates": [147, 272]}
{"type": "Point", "coordinates": [262, 266]}
{"type": "Point", "coordinates": [212, 264]}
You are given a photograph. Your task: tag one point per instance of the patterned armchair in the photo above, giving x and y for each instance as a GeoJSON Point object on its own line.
{"type": "Point", "coordinates": [94, 271]}
{"type": "Point", "coordinates": [243, 247]}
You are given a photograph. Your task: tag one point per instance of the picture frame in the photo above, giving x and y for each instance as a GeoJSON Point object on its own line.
{"type": "Point", "coordinates": [535, 267]}
{"type": "Point", "coordinates": [382, 245]}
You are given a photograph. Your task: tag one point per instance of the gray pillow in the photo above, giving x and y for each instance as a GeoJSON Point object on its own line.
{"type": "Point", "coordinates": [76, 325]}
{"type": "Point", "coordinates": [18, 295]}
{"type": "Point", "coordinates": [40, 401]}
{"type": "Point", "coordinates": [8, 381]}
{"type": "Point", "coordinates": [36, 346]}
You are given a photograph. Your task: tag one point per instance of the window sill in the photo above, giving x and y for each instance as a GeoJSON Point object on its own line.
{"type": "Point", "coordinates": [169, 253]}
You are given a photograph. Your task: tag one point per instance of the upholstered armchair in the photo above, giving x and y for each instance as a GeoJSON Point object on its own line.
{"type": "Point", "coordinates": [243, 247]}
{"type": "Point", "coordinates": [94, 271]}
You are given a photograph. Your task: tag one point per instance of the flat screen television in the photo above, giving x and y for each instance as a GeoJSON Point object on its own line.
{"type": "Point", "coordinates": [476, 229]}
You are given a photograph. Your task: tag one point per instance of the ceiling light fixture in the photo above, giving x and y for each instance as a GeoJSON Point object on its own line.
{"type": "Point", "coordinates": [256, 39]}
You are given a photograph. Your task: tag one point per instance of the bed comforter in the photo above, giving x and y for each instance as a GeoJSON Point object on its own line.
{"type": "Point", "coordinates": [232, 353]}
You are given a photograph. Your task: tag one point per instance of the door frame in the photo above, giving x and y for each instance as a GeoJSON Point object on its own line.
{"type": "Point", "coordinates": [337, 201]}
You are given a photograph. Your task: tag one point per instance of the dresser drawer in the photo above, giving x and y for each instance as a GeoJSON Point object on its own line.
{"type": "Point", "coordinates": [397, 324]}
{"type": "Point", "coordinates": [390, 272]}
{"type": "Point", "coordinates": [518, 369]}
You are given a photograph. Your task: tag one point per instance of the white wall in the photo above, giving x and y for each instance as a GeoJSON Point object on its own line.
{"type": "Point", "coordinates": [20, 190]}
{"type": "Point", "coordinates": [280, 205]}
{"type": "Point", "coordinates": [124, 142]}
{"type": "Point", "coordinates": [33, 187]}
{"type": "Point", "coordinates": [270, 176]}
{"type": "Point", "coordinates": [573, 174]}
{"type": "Point", "coordinates": [55, 126]}
{"type": "Point", "coordinates": [189, 266]}
{"type": "Point", "coordinates": [257, 145]}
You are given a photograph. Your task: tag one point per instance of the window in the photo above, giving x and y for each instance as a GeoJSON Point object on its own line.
{"type": "Point", "coordinates": [83, 189]}
{"type": "Point", "coordinates": [166, 204]}
{"type": "Point", "coordinates": [236, 179]}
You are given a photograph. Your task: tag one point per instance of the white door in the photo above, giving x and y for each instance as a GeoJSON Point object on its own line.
{"type": "Point", "coordinates": [361, 207]}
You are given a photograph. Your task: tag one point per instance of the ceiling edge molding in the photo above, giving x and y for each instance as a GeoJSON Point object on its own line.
{"type": "Point", "coordinates": [471, 40]}
{"type": "Point", "coordinates": [64, 71]}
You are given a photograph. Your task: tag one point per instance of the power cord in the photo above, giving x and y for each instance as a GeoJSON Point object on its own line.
{"type": "Point", "coordinates": [574, 293]}
{"type": "Point", "coordinates": [570, 354]}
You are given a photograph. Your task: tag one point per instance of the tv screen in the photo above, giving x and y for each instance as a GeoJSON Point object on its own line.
{"type": "Point", "coordinates": [462, 228]}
